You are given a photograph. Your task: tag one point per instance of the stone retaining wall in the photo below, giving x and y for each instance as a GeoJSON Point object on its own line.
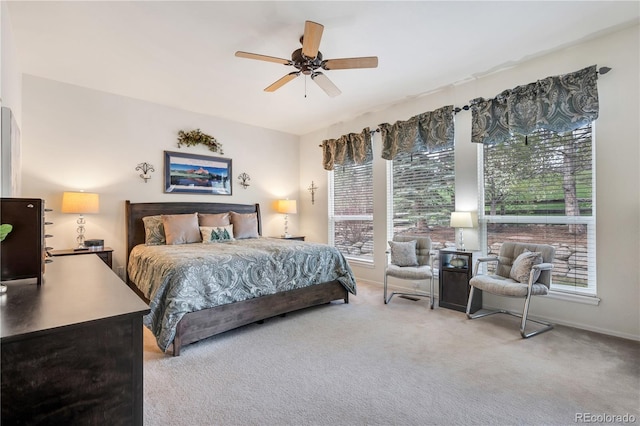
{"type": "Point", "coordinates": [569, 264]}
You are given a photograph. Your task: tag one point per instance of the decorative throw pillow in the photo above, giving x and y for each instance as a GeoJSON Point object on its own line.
{"type": "Point", "coordinates": [153, 230]}
{"type": "Point", "coordinates": [214, 219]}
{"type": "Point", "coordinates": [403, 253]}
{"type": "Point", "coordinates": [181, 228]}
{"type": "Point", "coordinates": [523, 264]}
{"type": "Point", "coordinates": [216, 234]}
{"type": "Point", "coordinates": [245, 225]}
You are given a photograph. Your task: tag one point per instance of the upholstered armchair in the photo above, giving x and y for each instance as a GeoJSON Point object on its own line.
{"type": "Point", "coordinates": [522, 270]}
{"type": "Point", "coordinates": [410, 258]}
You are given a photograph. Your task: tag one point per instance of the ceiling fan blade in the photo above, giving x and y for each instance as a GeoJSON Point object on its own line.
{"type": "Point", "coordinates": [311, 39]}
{"type": "Point", "coordinates": [350, 63]}
{"type": "Point", "coordinates": [325, 84]}
{"type": "Point", "coordinates": [248, 55]}
{"type": "Point", "coordinates": [281, 82]}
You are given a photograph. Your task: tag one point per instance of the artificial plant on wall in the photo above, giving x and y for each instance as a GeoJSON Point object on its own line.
{"type": "Point", "coordinates": [196, 137]}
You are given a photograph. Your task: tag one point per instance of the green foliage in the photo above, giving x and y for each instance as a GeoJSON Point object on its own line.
{"type": "Point", "coordinates": [549, 174]}
{"type": "Point", "coordinates": [423, 189]}
{"type": "Point", "coordinates": [5, 228]}
{"type": "Point", "coordinates": [196, 137]}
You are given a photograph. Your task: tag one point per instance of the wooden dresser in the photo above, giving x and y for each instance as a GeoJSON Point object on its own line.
{"type": "Point", "coordinates": [71, 349]}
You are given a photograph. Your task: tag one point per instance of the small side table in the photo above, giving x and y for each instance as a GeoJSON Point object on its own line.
{"type": "Point", "coordinates": [291, 237]}
{"type": "Point", "coordinates": [454, 279]}
{"type": "Point", "coordinates": [106, 254]}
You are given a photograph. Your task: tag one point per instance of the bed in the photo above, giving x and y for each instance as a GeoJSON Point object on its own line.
{"type": "Point", "coordinates": [156, 276]}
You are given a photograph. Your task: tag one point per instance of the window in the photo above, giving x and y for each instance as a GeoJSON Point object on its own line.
{"type": "Point", "coordinates": [541, 189]}
{"type": "Point", "coordinates": [422, 187]}
{"type": "Point", "coordinates": [351, 211]}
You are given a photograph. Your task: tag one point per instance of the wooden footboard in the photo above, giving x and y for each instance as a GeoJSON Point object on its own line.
{"type": "Point", "coordinates": [199, 325]}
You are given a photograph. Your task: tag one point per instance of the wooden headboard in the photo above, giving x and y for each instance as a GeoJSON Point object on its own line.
{"type": "Point", "coordinates": [136, 211]}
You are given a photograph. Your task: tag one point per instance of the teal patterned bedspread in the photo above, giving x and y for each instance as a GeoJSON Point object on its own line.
{"type": "Point", "coordinates": [178, 279]}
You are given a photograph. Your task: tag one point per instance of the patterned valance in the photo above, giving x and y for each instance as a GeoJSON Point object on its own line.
{"type": "Point", "coordinates": [427, 132]}
{"type": "Point", "coordinates": [560, 104]}
{"type": "Point", "coordinates": [354, 148]}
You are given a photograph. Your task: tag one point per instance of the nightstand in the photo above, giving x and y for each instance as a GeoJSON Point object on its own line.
{"type": "Point", "coordinates": [105, 254]}
{"type": "Point", "coordinates": [456, 269]}
{"type": "Point", "coordinates": [291, 237]}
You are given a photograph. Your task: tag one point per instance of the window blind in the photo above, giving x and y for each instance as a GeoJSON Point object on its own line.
{"type": "Point", "coordinates": [351, 210]}
{"type": "Point", "coordinates": [540, 189]}
{"type": "Point", "coordinates": [423, 192]}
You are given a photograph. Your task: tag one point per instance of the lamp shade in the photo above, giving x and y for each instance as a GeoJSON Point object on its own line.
{"type": "Point", "coordinates": [287, 206]}
{"type": "Point", "coordinates": [461, 220]}
{"type": "Point", "coordinates": [80, 202]}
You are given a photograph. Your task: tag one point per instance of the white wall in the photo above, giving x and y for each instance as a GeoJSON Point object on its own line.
{"type": "Point", "coordinates": [10, 87]}
{"type": "Point", "coordinates": [617, 176]}
{"type": "Point", "coordinates": [79, 139]}
{"type": "Point", "coordinates": [10, 74]}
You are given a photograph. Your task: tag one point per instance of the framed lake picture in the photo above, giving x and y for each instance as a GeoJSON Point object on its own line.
{"type": "Point", "coordinates": [196, 174]}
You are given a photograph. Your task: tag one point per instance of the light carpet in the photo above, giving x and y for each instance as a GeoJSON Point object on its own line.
{"type": "Point", "coordinates": [367, 363]}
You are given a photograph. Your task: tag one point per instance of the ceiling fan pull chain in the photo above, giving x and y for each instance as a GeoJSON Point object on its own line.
{"type": "Point", "coordinates": [305, 86]}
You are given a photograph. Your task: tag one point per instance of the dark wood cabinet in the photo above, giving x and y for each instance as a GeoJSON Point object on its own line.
{"type": "Point", "coordinates": [24, 248]}
{"type": "Point", "coordinates": [71, 348]}
{"type": "Point", "coordinates": [456, 269]}
{"type": "Point", "coordinates": [106, 254]}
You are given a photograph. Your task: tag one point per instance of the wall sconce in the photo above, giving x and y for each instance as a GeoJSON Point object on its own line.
{"type": "Point", "coordinates": [312, 189]}
{"type": "Point", "coordinates": [146, 169]}
{"type": "Point", "coordinates": [244, 178]}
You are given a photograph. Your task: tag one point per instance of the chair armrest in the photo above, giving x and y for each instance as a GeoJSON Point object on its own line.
{"type": "Point", "coordinates": [539, 267]}
{"type": "Point", "coordinates": [543, 266]}
{"type": "Point", "coordinates": [432, 256]}
{"type": "Point", "coordinates": [483, 260]}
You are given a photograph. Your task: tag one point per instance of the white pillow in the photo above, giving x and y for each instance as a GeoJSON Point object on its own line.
{"type": "Point", "coordinates": [216, 234]}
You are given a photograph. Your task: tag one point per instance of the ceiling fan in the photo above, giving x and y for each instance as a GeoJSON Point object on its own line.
{"type": "Point", "coordinates": [308, 61]}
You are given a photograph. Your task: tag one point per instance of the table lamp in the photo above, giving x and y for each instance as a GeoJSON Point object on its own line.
{"type": "Point", "coordinates": [461, 220]}
{"type": "Point", "coordinates": [287, 207]}
{"type": "Point", "coordinates": [80, 203]}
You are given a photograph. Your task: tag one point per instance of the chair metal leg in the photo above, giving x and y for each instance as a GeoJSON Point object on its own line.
{"type": "Point", "coordinates": [525, 312]}
{"type": "Point", "coordinates": [468, 312]}
{"type": "Point", "coordinates": [394, 293]}
{"type": "Point", "coordinates": [431, 297]}
{"type": "Point", "coordinates": [385, 290]}
{"type": "Point", "coordinates": [547, 326]}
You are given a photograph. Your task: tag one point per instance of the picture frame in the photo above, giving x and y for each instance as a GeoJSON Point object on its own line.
{"type": "Point", "coordinates": [196, 174]}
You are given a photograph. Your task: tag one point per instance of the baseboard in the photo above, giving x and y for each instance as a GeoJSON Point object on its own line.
{"type": "Point", "coordinates": [557, 321]}
{"type": "Point", "coordinates": [598, 330]}
{"type": "Point", "coordinates": [579, 326]}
